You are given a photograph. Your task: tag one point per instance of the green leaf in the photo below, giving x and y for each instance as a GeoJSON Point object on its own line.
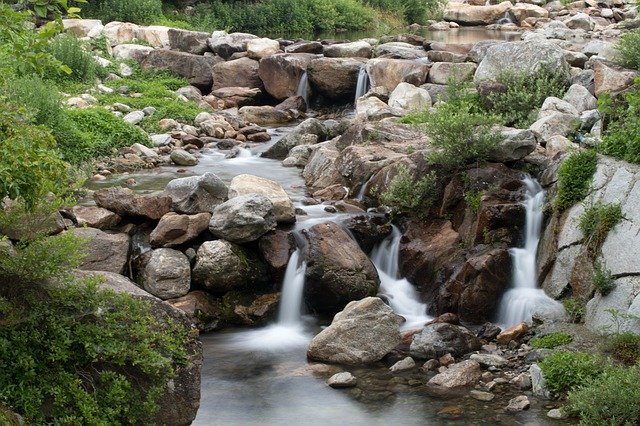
{"type": "Point", "coordinates": [41, 11]}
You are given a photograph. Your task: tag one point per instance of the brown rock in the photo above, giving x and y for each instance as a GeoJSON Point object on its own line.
{"type": "Point", "coordinates": [104, 251]}
{"type": "Point", "coordinates": [126, 202]}
{"type": "Point", "coordinates": [195, 68]}
{"type": "Point", "coordinates": [512, 333]}
{"type": "Point", "coordinates": [175, 229]}
{"type": "Point", "coordinates": [276, 248]}
{"type": "Point", "coordinates": [241, 72]}
{"type": "Point", "coordinates": [462, 374]}
{"type": "Point", "coordinates": [335, 78]}
{"type": "Point", "coordinates": [203, 309]}
{"type": "Point", "coordinates": [281, 73]}
{"type": "Point", "coordinates": [261, 309]}
{"type": "Point", "coordinates": [95, 217]}
{"type": "Point", "coordinates": [237, 96]}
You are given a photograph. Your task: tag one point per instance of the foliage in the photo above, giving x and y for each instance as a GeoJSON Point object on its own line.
{"type": "Point", "coordinates": [136, 11]}
{"type": "Point", "coordinates": [610, 399]}
{"type": "Point", "coordinates": [473, 200]}
{"type": "Point", "coordinates": [575, 309]}
{"type": "Point", "coordinates": [565, 371]}
{"type": "Point", "coordinates": [551, 340]}
{"type": "Point", "coordinates": [623, 347]}
{"type": "Point", "coordinates": [407, 192]}
{"type": "Point", "coordinates": [574, 178]}
{"type": "Point", "coordinates": [621, 138]}
{"type": "Point", "coordinates": [596, 222]}
{"type": "Point", "coordinates": [40, 101]}
{"type": "Point", "coordinates": [629, 49]}
{"type": "Point", "coordinates": [603, 280]}
{"type": "Point", "coordinates": [69, 51]}
{"type": "Point", "coordinates": [523, 94]}
{"type": "Point", "coordinates": [53, 9]}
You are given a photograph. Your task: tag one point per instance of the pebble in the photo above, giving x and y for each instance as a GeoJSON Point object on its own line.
{"type": "Point", "coordinates": [404, 364]}
{"type": "Point", "coordinates": [481, 396]}
{"type": "Point", "coordinates": [98, 177]}
{"type": "Point", "coordinates": [519, 403]}
{"type": "Point", "coordinates": [342, 380]}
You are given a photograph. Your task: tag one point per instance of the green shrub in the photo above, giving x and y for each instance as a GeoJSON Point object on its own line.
{"type": "Point", "coordinates": [408, 193]}
{"type": "Point", "coordinates": [621, 138]}
{"type": "Point", "coordinates": [136, 11]}
{"type": "Point", "coordinates": [603, 280]}
{"type": "Point", "coordinates": [624, 347]}
{"type": "Point", "coordinates": [629, 49]}
{"type": "Point", "coordinates": [519, 103]}
{"type": "Point", "coordinates": [574, 178]}
{"type": "Point", "coordinates": [551, 340]}
{"type": "Point", "coordinates": [610, 399]}
{"type": "Point", "coordinates": [575, 309]}
{"type": "Point", "coordinates": [69, 51]}
{"type": "Point", "coordinates": [596, 222]}
{"type": "Point", "coordinates": [565, 371]}
{"type": "Point", "coordinates": [40, 99]}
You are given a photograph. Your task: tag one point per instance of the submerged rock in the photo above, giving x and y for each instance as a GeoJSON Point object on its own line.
{"type": "Point", "coordinates": [342, 380]}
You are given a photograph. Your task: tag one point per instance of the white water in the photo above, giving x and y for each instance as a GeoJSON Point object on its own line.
{"type": "Point", "coordinates": [303, 88]}
{"type": "Point", "coordinates": [363, 82]}
{"type": "Point", "coordinates": [363, 189]}
{"type": "Point", "coordinates": [524, 298]}
{"type": "Point", "coordinates": [290, 312]}
{"type": "Point", "coordinates": [402, 296]}
{"type": "Point", "coordinates": [244, 153]}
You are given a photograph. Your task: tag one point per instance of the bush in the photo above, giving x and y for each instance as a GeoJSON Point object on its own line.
{"type": "Point", "coordinates": [603, 281]}
{"type": "Point", "coordinates": [629, 49]}
{"type": "Point", "coordinates": [596, 222]}
{"type": "Point", "coordinates": [575, 309]}
{"type": "Point", "coordinates": [70, 52]}
{"type": "Point", "coordinates": [524, 94]}
{"type": "Point", "coordinates": [565, 371]}
{"type": "Point", "coordinates": [408, 193]}
{"type": "Point", "coordinates": [624, 347]}
{"type": "Point", "coordinates": [610, 399]}
{"type": "Point", "coordinates": [621, 138]}
{"type": "Point", "coordinates": [136, 11]}
{"type": "Point", "coordinates": [551, 340]}
{"type": "Point", "coordinates": [41, 101]}
{"type": "Point", "coordinates": [574, 178]}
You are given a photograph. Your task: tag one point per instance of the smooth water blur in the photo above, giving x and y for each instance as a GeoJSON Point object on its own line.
{"type": "Point", "coordinates": [454, 35]}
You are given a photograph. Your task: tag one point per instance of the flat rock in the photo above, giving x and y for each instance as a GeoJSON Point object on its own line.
{"type": "Point", "coordinates": [459, 375]}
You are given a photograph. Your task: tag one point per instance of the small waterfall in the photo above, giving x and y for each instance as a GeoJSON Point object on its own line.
{"type": "Point", "coordinates": [290, 310]}
{"type": "Point", "coordinates": [244, 153]}
{"type": "Point", "coordinates": [524, 297]}
{"type": "Point", "coordinates": [507, 18]}
{"type": "Point", "coordinates": [363, 189]}
{"type": "Point", "coordinates": [303, 88]}
{"type": "Point", "coordinates": [402, 296]}
{"type": "Point", "coordinates": [363, 82]}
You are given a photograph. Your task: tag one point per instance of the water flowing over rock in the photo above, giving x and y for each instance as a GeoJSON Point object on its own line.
{"type": "Point", "coordinates": [436, 340]}
{"type": "Point", "coordinates": [242, 219]}
{"type": "Point", "coordinates": [248, 184]}
{"type": "Point", "coordinates": [335, 78]}
{"type": "Point", "coordinates": [281, 73]}
{"type": "Point", "coordinates": [126, 202]}
{"type": "Point", "coordinates": [104, 251]}
{"type": "Point", "coordinates": [165, 273]}
{"type": "Point", "coordinates": [196, 194]}
{"type": "Point", "coordinates": [338, 271]}
{"type": "Point", "coordinates": [364, 332]}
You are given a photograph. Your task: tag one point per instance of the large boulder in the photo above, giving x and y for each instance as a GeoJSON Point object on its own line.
{"type": "Point", "coordinates": [196, 194]}
{"type": "Point", "coordinates": [358, 49]}
{"type": "Point", "coordinates": [436, 340]}
{"type": "Point", "coordinates": [249, 184]}
{"type": "Point", "coordinates": [609, 78]}
{"type": "Point", "coordinates": [83, 27]}
{"type": "Point", "coordinates": [242, 219]}
{"type": "Point", "coordinates": [126, 202]}
{"type": "Point", "coordinates": [522, 57]}
{"type": "Point", "coordinates": [320, 171]}
{"type": "Point", "coordinates": [364, 332]}
{"type": "Point", "coordinates": [119, 33]}
{"type": "Point", "coordinates": [241, 72]}
{"type": "Point", "coordinates": [265, 115]}
{"type": "Point", "coordinates": [133, 52]}
{"type": "Point", "coordinates": [156, 36]}
{"type": "Point", "coordinates": [388, 73]}
{"type": "Point", "coordinates": [95, 217]}
{"type": "Point", "coordinates": [338, 271]}
{"type": "Point", "coordinates": [225, 45]}
{"type": "Point", "coordinates": [175, 229]}
{"type": "Point", "coordinates": [281, 73]}
{"type": "Point", "coordinates": [195, 68]}
{"type": "Point", "coordinates": [276, 248]}
{"type": "Point", "coordinates": [104, 251]}
{"type": "Point", "coordinates": [580, 97]}
{"type": "Point", "coordinates": [443, 72]}
{"type": "Point", "coordinates": [515, 145]}
{"type": "Point", "coordinates": [165, 273]}
{"type": "Point", "coordinates": [188, 41]}
{"type": "Point", "coordinates": [467, 14]}
{"type": "Point", "coordinates": [222, 266]}
{"type": "Point", "coordinates": [522, 11]}
{"type": "Point", "coordinates": [280, 149]}
{"type": "Point", "coordinates": [335, 78]}
{"type": "Point", "coordinates": [259, 48]}
{"type": "Point", "coordinates": [409, 97]}
{"type": "Point", "coordinates": [554, 123]}
{"type": "Point", "coordinates": [399, 50]}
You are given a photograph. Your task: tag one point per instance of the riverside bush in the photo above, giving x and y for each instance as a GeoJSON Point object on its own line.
{"type": "Point", "coordinates": [407, 192]}
{"type": "Point", "coordinates": [551, 340]}
{"type": "Point", "coordinates": [623, 347]}
{"type": "Point", "coordinates": [596, 222]}
{"type": "Point", "coordinates": [629, 49]}
{"type": "Point", "coordinates": [136, 11]}
{"type": "Point", "coordinates": [621, 138]}
{"type": "Point", "coordinates": [565, 371]}
{"type": "Point", "coordinates": [574, 178]}
{"type": "Point", "coordinates": [603, 280]}
{"type": "Point", "coordinates": [69, 51]}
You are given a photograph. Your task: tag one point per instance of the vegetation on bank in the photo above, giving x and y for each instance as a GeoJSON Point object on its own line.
{"type": "Point", "coordinates": [574, 178]}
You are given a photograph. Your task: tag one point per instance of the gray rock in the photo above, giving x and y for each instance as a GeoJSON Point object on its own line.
{"type": "Point", "coordinates": [519, 403]}
{"type": "Point", "coordinates": [364, 332]}
{"type": "Point", "coordinates": [481, 396]}
{"type": "Point", "coordinates": [183, 158]}
{"type": "Point", "coordinates": [515, 145]}
{"type": "Point", "coordinates": [580, 21]}
{"type": "Point", "coordinates": [243, 219]}
{"type": "Point", "coordinates": [161, 140]}
{"type": "Point", "coordinates": [280, 150]}
{"type": "Point", "coordinates": [459, 375]}
{"type": "Point", "coordinates": [538, 383]}
{"type": "Point", "coordinates": [196, 194]}
{"type": "Point", "coordinates": [225, 45]}
{"type": "Point", "coordinates": [126, 202]}
{"type": "Point", "coordinates": [404, 364]}
{"type": "Point", "coordinates": [246, 184]}
{"type": "Point", "coordinates": [358, 49]}
{"type": "Point", "coordinates": [436, 340]}
{"type": "Point", "coordinates": [399, 50]}
{"type": "Point", "coordinates": [197, 69]}
{"type": "Point", "coordinates": [580, 97]}
{"type": "Point", "coordinates": [342, 380]}
{"type": "Point", "coordinates": [555, 123]}
{"type": "Point", "coordinates": [409, 97]}
{"type": "Point", "coordinates": [489, 360]}
{"type": "Point", "coordinates": [104, 251]}
{"type": "Point", "coordinates": [166, 273]}
{"type": "Point", "coordinates": [133, 52]}
{"type": "Point", "coordinates": [556, 413]}
{"type": "Point", "coordinates": [144, 151]}
{"type": "Point", "coordinates": [552, 105]}
{"type": "Point", "coordinates": [95, 217]}
{"type": "Point", "coordinates": [134, 117]}
{"type": "Point", "coordinates": [175, 229]}
{"type": "Point", "coordinates": [625, 299]}
{"type": "Point", "coordinates": [188, 41]}
{"type": "Point", "coordinates": [442, 72]}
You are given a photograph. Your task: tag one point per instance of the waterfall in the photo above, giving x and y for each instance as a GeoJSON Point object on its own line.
{"type": "Point", "coordinates": [400, 293]}
{"type": "Point", "coordinates": [290, 310]}
{"type": "Point", "coordinates": [303, 88]}
{"type": "Point", "coordinates": [524, 296]}
{"type": "Point", "coordinates": [507, 18]}
{"type": "Point", "coordinates": [244, 153]}
{"type": "Point", "coordinates": [363, 189]}
{"type": "Point", "coordinates": [363, 82]}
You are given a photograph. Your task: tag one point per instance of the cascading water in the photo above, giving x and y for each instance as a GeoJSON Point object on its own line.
{"type": "Point", "coordinates": [290, 310]}
{"type": "Point", "coordinates": [402, 296]}
{"type": "Point", "coordinates": [363, 189]}
{"type": "Point", "coordinates": [303, 88]}
{"type": "Point", "coordinates": [524, 297]}
{"type": "Point", "coordinates": [363, 82]}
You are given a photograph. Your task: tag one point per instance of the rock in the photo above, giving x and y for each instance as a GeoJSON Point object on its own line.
{"type": "Point", "coordinates": [538, 385]}
{"type": "Point", "coordinates": [222, 266]}
{"type": "Point", "coordinates": [104, 251]}
{"type": "Point", "coordinates": [183, 158]}
{"type": "Point", "coordinates": [143, 151]}
{"type": "Point", "coordinates": [194, 42]}
{"type": "Point", "coordinates": [442, 72]}
{"type": "Point", "coordinates": [281, 73]}
{"type": "Point", "coordinates": [338, 271]}
{"type": "Point", "coordinates": [305, 47]}
{"type": "Point", "coordinates": [625, 299]}
{"type": "Point", "coordinates": [320, 171]}
{"type": "Point", "coordinates": [238, 96]}
{"type": "Point", "coordinates": [83, 27]}
{"type": "Point", "coordinates": [334, 78]}
{"type": "Point", "coordinates": [161, 140]}
{"type": "Point", "coordinates": [342, 380]}
{"type": "Point", "coordinates": [165, 273]}
{"type": "Point", "coordinates": [459, 375]}
{"type": "Point", "coordinates": [580, 97]}
{"type": "Point", "coordinates": [276, 247]}
{"type": "Point", "coordinates": [243, 218]}
{"type": "Point", "coordinates": [126, 202]}
{"type": "Point", "coordinates": [399, 50]}
{"type": "Point", "coordinates": [391, 72]}
{"type": "Point", "coordinates": [294, 103]}
{"type": "Point", "coordinates": [196, 69]}
{"type": "Point", "coordinates": [439, 339]}
{"type": "Point", "coordinates": [134, 52]}
{"type": "Point", "coordinates": [225, 45]}
{"type": "Point", "coordinates": [201, 307]}
{"type": "Point", "coordinates": [609, 78]}
{"type": "Point", "coordinates": [175, 229]}
{"type": "Point", "coordinates": [556, 413]}
{"type": "Point", "coordinates": [466, 14]}
{"type": "Point", "coordinates": [409, 97]}
{"type": "Point", "coordinates": [196, 194]}
{"type": "Point", "coordinates": [364, 332]}
{"type": "Point", "coordinates": [374, 109]}
{"type": "Point", "coordinates": [522, 381]}
{"type": "Point", "coordinates": [552, 105]}
{"type": "Point", "coordinates": [481, 396]}
{"type": "Point", "coordinates": [522, 11]}
{"type": "Point", "coordinates": [556, 144]}
{"type": "Point", "coordinates": [519, 403]}
{"type": "Point", "coordinates": [241, 72]}
{"type": "Point", "coordinates": [280, 150]}
{"type": "Point", "coordinates": [259, 48]}
{"type": "Point", "coordinates": [95, 217]}
{"type": "Point", "coordinates": [254, 310]}
{"type": "Point", "coordinates": [134, 117]}
{"type": "Point", "coordinates": [156, 35]}
{"type": "Point", "coordinates": [404, 364]}
{"type": "Point", "coordinates": [512, 333]}
{"type": "Point", "coordinates": [265, 115]}
{"type": "Point", "coordinates": [245, 184]}
{"type": "Point", "coordinates": [489, 360]}
{"type": "Point", "coordinates": [525, 57]}
{"type": "Point", "coordinates": [555, 123]}
{"type": "Point", "coordinates": [358, 49]}
{"type": "Point", "coordinates": [580, 21]}
{"type": "Point", "coordinates": [515, 145]}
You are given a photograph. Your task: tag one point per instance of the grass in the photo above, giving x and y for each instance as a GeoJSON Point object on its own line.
{"type": "Point", "coordinates": [596, 222]}
{"type": "Point", "coordinates": [551, 340]}
{"type": "Point", "coordinates": [574, 178]}
{"type": "Point", "coordinates": [623, 347]}
{"type": "Point", "coordinates": [603, 280]}
{"type": "Point", "coordinates": [565, 371]}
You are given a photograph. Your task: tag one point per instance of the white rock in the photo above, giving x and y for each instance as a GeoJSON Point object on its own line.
{"type": "Point", "coordinates": [404, 364]}
{"type": "Point", "coordinates": [408, 97]}
{"type": "Point", "coordinates": [134, 117]}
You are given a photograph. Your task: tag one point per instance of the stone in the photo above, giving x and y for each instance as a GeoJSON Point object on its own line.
{"type": "Point", "coordinates": [176, 229]}
{"type": "Point", "coordinates": [522, 381]}
{"type": "Point", "coordinates": [95, 217]}
{"type": "Point", "coordinates": [183, 158]}
{"type": "Point", "coordinates": [358, 49]}
{"type": "Point", "coordinates": [364, 332]}
{"type": "Point", "coordinates": [126, 202]}
{"type": "Point", "coordinates": [399, 50]}
{"type": "Point", "coordinates": [196, 194]}
{"type": "Point", "coordinates": [560, 276]}
{"type": "Point", "coordinates": [243, 219]}
{"type": "Point", "coordinates": [624, 298]}
{"type": "Point", "coordinates": [409, 97]}
{"type": "Point", "coordinates": [194, 42]}
{"type": "Point", "coordinates": [305, 47]}
{"type": "Point", "coordinates": [555, 123]}
{"type": "Point", "coordinates": [222, 266]}
{"type": "Point", "coordinates": [201, 307]}
{"type": "Point", "coordinates": [556, 413]}
{"type": "Point", "coordinates": [515, 145]}
{"type": "Point", "coordinates": [609, 78]}
{"type": "Point", "coordinates": [580, 21]}
{"type": "Point", "coordinates": [165, 273]}
{"type": "Point", "coordinates": [555, 105]}
{"type": "Point", "coordinates": [466, 14]}
{"type": "Point", "coordinates": [388, 73]}
{"type": "Point", "coordinates": [442, 72]}
{"type": "Point", "coordinates": [335, 78]}
{"type": "Point", "coordinates": [238, 96]}
{"type": "Point", "coordinates": [481, 395]}
{"type": "Point", "coordinates": [281, 73]}
{"type": "Point", "coordinates": [489, 360]}
{"type": "Point", "coordinates": [104, 251]}
{"type": "Point", "coordinates": [259, 48]}
{"type": "Point", "coordinates": [439, 339]}
{"type": "Point", "coordinates": [156, 35]}
{"type": "Point", "coordinates": [338, 271]}
{"type": "Point", "coordinates": [342, 380]}
{"type": "Point", "coordinates": [538, 383]}
{"type": "Point", "coordinates": [144, 151]}
{"type": "Point", "coordinates": [134, 117]}
{"type": "Point", "coordinates": [374, 109]}
{"type": "Point", "coordinates": [225, 45]}
{"type": "Point", "coordinates": [276, 248]}
{"type": "Point", "coordinates": [512, 333]}
{"type": "Point", "coordinates": [522, 11]}
{"type": "Point", "coordinates": [241, 72]}
{"type": "Point", "coordinates": [519, 403]}
{"type": "Point", "coordinates": [403, 365]}
{"type": "Point", "coordinates": [83, 27]}
{"type": "Point", "coordinates": [196, 69]}
{"type": "Point", "coordinates": [161, 139]}
{"type": "Point", "coordinates": [459, 375]}
{"type": "Point", "coordinates": [265, 115]}
{"type": "Point", "coordinates": [246, 184]}
{"type": "Point", "coordinates": [118, 33]}
{"type": "Point", "coordinates": [133, 52]}
{"type": "Point", "coordinates": [580, 97]}
{"type": "Point", "coordinates": [280, 150]}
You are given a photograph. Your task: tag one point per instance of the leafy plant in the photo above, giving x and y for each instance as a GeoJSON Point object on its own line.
{"type": "Point", "coordinates": [69, 51]}
{"type": "Point", "coordinates": [473, 200]}
{"type": "Point", "coordinates": [575, 309]}
{"type": "Point", "coordinates": [574, 178]}
{"type": "Point", "coordinates": [596, 222]}
{"type": "Point", "coordinates": [136, 11]}
{"type": "Point", "coordinates": [621, 138]}
{"type": "Point", "coordinates": [551, 340]}
{"type": "Point", "coordinates": [629, 49]}
{"type": "Point", "coordinates": [565, 371]}
{"type": "Point", "coordinates": [624, 347]}
{"type": "Point", "coordinates": [407, 192]}
{"type": "Point", "coordinates": [603, 280]}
